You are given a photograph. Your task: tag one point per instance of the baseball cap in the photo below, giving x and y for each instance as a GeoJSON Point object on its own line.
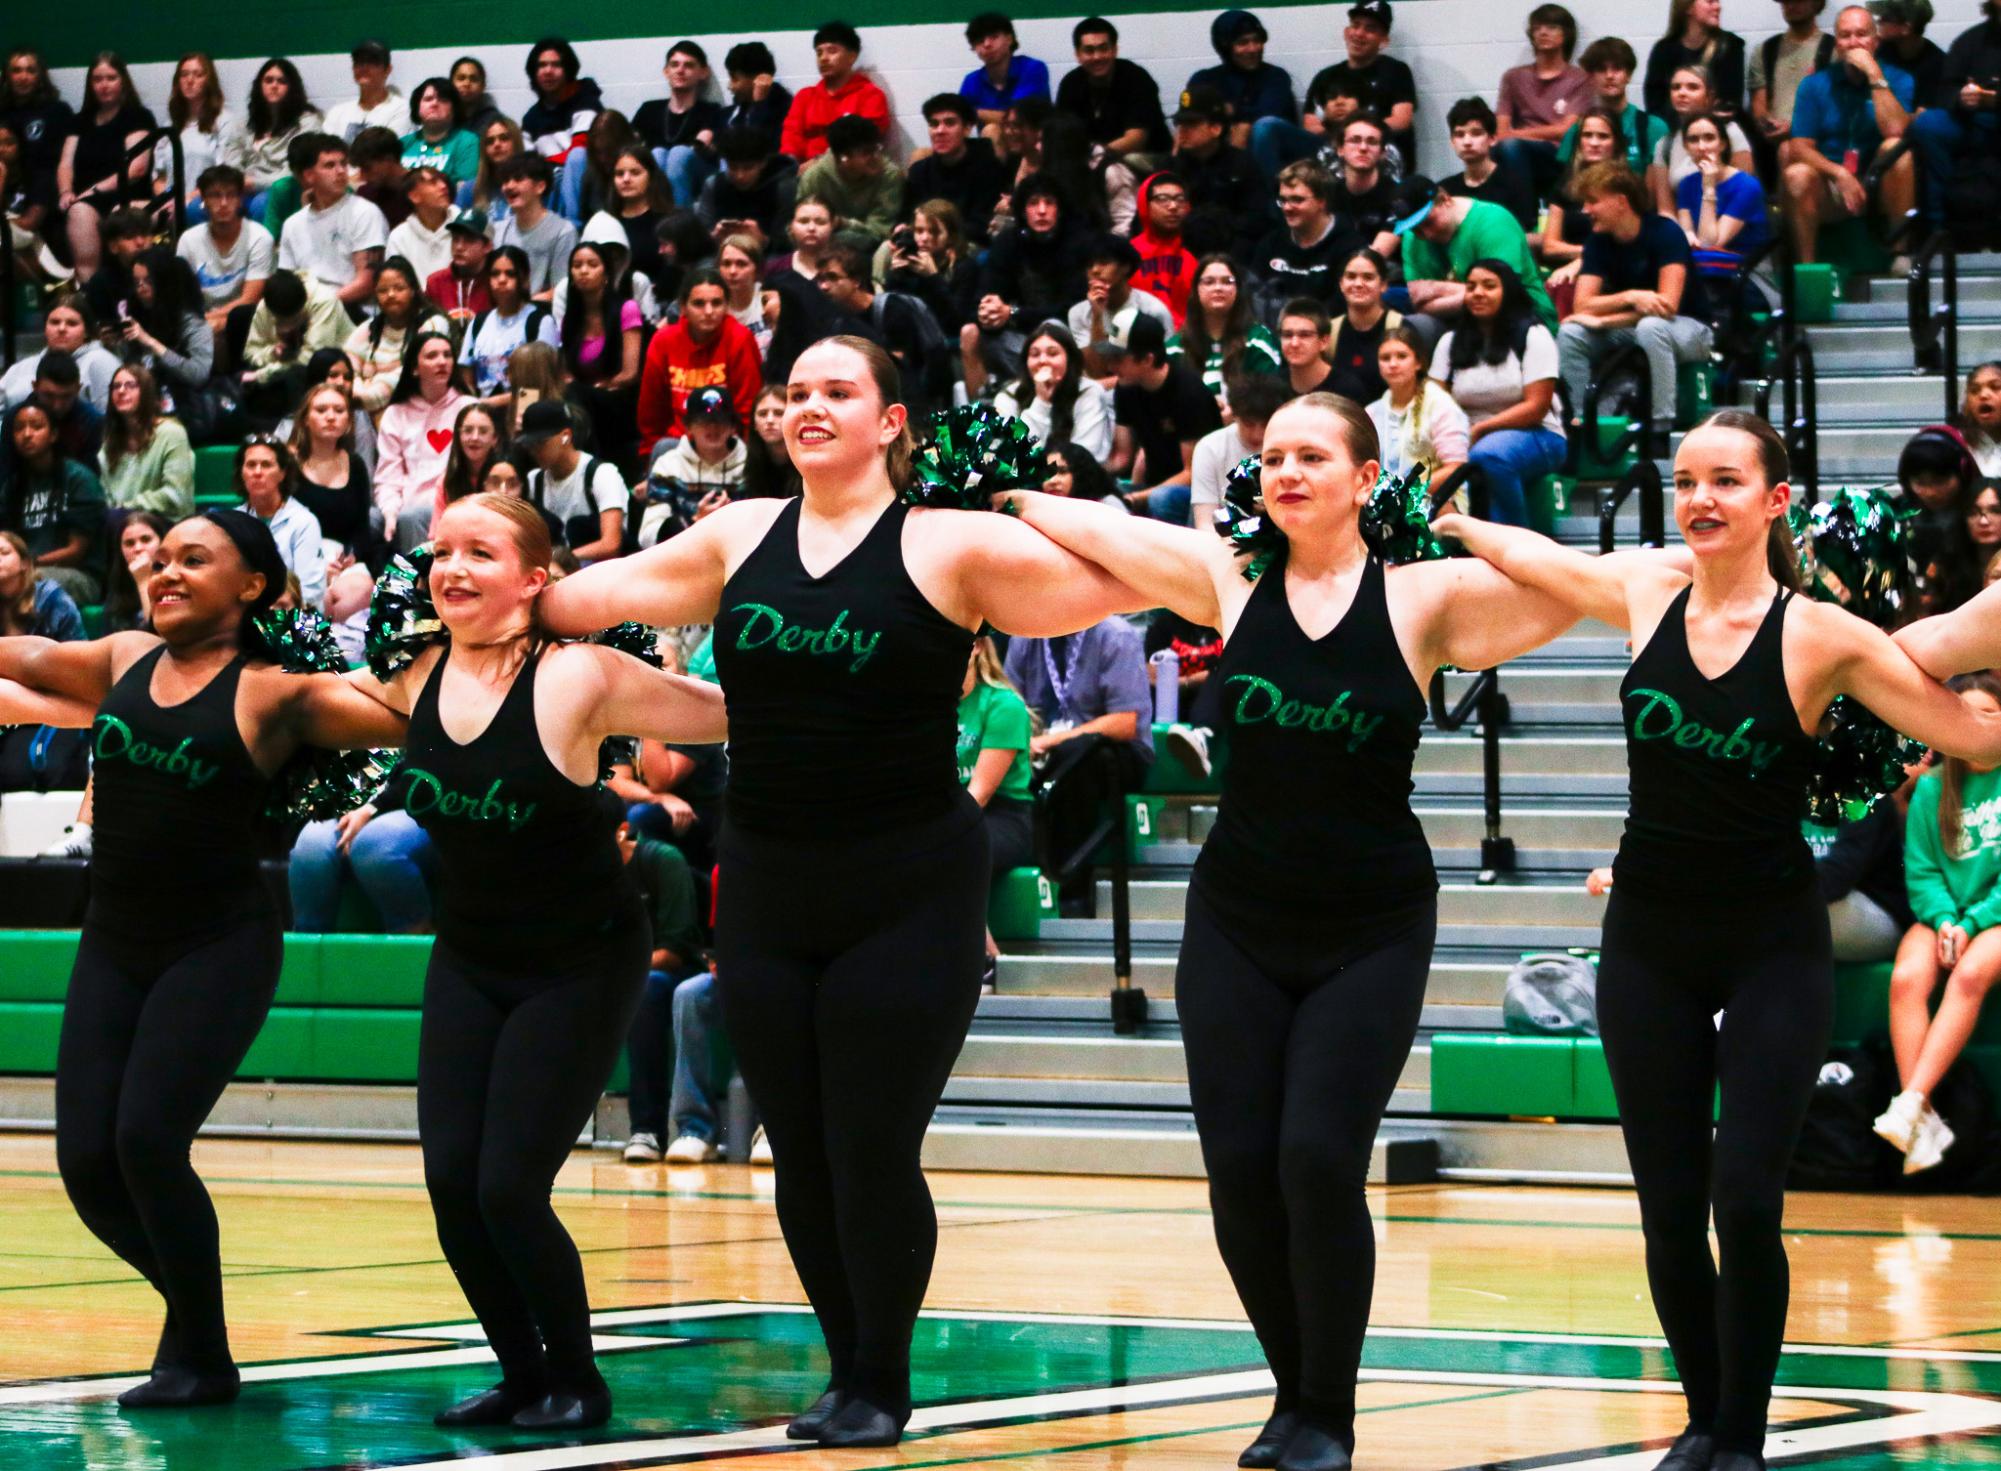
{"type": "Point", "coordinates": [1203, 104]}
{"type": "Point", "coordinates": [543, 421]}
{"type": "Point", "coordinates": [467, 222]}
{"type": "Point", "coordinates": [1414, 199]}
{"type": "Point", "coordinates": [1377, 11]}
{"type": "Point", "coordinates": [1917, 14]}
{"type": "Point", "coordinates": [709, 403]}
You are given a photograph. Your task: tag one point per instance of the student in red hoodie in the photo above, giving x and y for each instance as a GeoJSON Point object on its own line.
{"type": "Point", "coordinates": [841, 91]}
{"type": "Point", "coordinates": [1166, 268]}
{"type": "Point", "coordinates": [706, 348]}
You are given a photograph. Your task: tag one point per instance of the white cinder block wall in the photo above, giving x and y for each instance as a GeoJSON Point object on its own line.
{"type": "Point", "coordinates": [1456, 47]}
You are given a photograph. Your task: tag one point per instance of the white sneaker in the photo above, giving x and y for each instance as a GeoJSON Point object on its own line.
{"type": "Point", "coordinates": [1190, 744]}
{"type": "Point", "coordinates": [642, 1148]}
{"type": "Point", "coordinates": [1929, 1144]}
{"type": "Point", "coordinates": [1899, 1122]}
{"type": "Point", "coordinates": [691, 1149]}
{"type": "Point", "coordinates": [74, 843]}
{"type": "Point", "coordinates": [760, 1148]}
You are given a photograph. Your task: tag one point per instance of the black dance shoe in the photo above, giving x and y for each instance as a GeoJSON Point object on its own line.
{"type": "Point", "coordinates": [809, 1425]}
{"type": "Point", "coordinates": [1737, 1461]}
{"type": "Point", "coordinates": [1315, 1448]}
{"type": "Point", "coordinates": [496, 1406]}
{"type": "Point", "coordinates": [1693, 1450]}
{"type": "Point", "coordinates": [566, 1409]}
{"type": "Point", "coordinates": [859, 1423]}
{"type": "Point", "coordinates": [173, 1388]}
{"type": "Point", "coordinates": [1270, 1444]}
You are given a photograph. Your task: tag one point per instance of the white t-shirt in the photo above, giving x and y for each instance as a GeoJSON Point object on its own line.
{"type": "Point", "coordinates": [222, 144]}
{"type": "Point", "coordinates": [566, 499]}
{"type": "Point", "coordinates": [1090, 416]}
{"type": "Point", "coordinates": [323, 242]}
{"type": "Point", "coordinates": [1484, 391]}
{"type": "Point", "coordinates": [1139, 304]}
{"type": "Point", "coordinates": [1216, 455]}
{"type": "Point", "coordinates": [345, 119]}
{"type": "Point", "coordinates": [1670, 154]}
{"type": "Point", "coordinates": [1441, 435]}
{"type": "Point", "coordinates": [224, 274]}
{"type": "Point", "coordinates": [486, 351]}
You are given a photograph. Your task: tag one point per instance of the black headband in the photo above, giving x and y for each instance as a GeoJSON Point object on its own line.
{"type": "Point", "coordinates": [259, 549]}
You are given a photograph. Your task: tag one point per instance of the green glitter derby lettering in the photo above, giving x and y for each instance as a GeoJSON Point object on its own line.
{"type": "Point", "coordinates": [427, 795]}
{"type": "Point", "coordinates": [113, 740]}
{"type": "Point", "coordinates": [1261, 700]}
{"type": "Point", "coordinates": [1659, 718]}
{"type": "Point", "coordinates": [766, 627]}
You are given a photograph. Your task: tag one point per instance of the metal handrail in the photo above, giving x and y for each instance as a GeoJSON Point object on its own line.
{"type": "Point", "coordinates": [1935, 330]}
{"type": "Point", "coordinates": [1129, 1003]}
{"type": "Point", "coordinates": [1604, 372]}
{"type": "Point", "coordinates": [131, 190]}
{"type": "Point", "coordinates": [1472, 475]}
{"type": "Point", "coordinates": [1644, 476]}
{"type": "Point", "coordinates": [1483, 701]}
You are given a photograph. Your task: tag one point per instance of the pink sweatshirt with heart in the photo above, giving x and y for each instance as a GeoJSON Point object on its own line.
{"type": "Point", "coordinates": [414, 439]}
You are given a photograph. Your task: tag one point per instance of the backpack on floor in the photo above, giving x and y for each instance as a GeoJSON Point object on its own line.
{"type": "Point", "coordinates": [1551, 995]}
{"type": "Point", "coordinates": [1838, 1146]}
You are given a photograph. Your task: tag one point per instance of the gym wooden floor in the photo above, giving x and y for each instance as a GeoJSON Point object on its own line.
{"type": "Point", "coordinates": [1077, 1323]}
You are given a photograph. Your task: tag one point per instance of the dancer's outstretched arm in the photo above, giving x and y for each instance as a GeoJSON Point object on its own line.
{"type": "Point", "coordinates": [1471, 615]}
{"type": "Point", "coordinates": [1608, 587]}
{"type": "Point", "coordinates": [1966, 639]}
{"type": "Point", "coordinates": [1856, 658]}
{"type": "Point", "coordinates": [674, 582]}
{"type": "Point", "coordinates": [1017, 579]}
{"type": "Point", "coordinates": [20, 705]}
{"type": "Point", "coordinates": [1174, 567]}
{"type": "Point", "coordinates": [628, 697]}
{"type": "Point", "coordinates": [80, 670]}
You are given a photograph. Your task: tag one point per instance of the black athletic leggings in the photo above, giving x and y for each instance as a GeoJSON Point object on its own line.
{"type": "Point", "coordinates": [849, 973]}
{"type": "Point", "coordinates": [151, 1036]}
{"type": "Point", "coordinates": [509, 1068]}
{"type": "Point", "coordinates": [1668, 966]}
{"type": "Point", "coordinates": [1295, 1040]}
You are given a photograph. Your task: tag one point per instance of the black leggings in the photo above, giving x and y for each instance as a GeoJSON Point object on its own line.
{"type": "Point", "coordinates": [1668, 967]}
{"type": "Point", "coordinates": [1295, 1042]}
{"type": "Point", "coordinates": [509, 1068]}
{"type": "Point", "coordinates": [151, 1035]}
{"type": "Point", "coordinates": [849, 973]}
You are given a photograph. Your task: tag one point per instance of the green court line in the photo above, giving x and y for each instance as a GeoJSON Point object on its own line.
{"type": "Point", "coordinates": [1103, 1445]}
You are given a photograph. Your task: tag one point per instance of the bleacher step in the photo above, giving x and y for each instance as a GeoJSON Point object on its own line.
{"type": "Point", "coordinates": [1102, 1148]}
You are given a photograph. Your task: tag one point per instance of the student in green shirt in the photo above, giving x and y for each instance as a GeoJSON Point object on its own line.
{"type": "Point", "coordinates": [994, 727]}
{"type": "Point", "coordinates": [1444, 235]}
{"type": "Point", "coordinates": [438, 140]}
{"type": "Point", "coordinates": [1952, 869]}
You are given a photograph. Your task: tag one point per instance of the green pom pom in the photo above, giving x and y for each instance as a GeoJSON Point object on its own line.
{"type": "Point", "coordinates": [635, 639]}
{"type": "Point", "coordinates": [1857, 762]}
{"type": "Point", "coordinates": [402, 620]}
{"type": "Point", "coordinates": [316, 783]}
{"type": "Point", "coordinates": [1396, 520]}
{"type": "Point", "coordinates": [1241, 518]}
{"type": "Point", "coordinates": [968, 454]}
{"type": "Point", "coordinates": [1855, 554]}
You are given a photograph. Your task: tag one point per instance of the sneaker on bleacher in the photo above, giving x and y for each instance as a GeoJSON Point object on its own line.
{"type": "Point", "coordinates": [74, 843]}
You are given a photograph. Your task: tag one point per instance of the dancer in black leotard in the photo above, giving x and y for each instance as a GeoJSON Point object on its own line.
{"type": "Point", "coordinates": [1713, 902]}
{"type": "Point", "coordinates": [542, 941]}
{"type": "Point", "coordinates": [854, 866]}
{"type": "Point", "coordinates": [1313, 908]}
{"type": "Point", "coordinates": [180, 948]}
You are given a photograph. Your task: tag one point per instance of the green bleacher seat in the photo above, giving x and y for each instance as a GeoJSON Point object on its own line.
{"type": "Point", "coordinates": [1694, 393]}
{"type": "Point", "coordinates": [1548, 500]}
{"type": "Point", "coordinates": [1494, 1073]}
{"type": "Point", "coordinates": [35, 964]}
{"type": "Point", "coordinates": [1017, 904]}
{"type": "Point", "coordinates": [373, 970]}
{"type": "Point", "coordinates": [215, 474]}
{"type": "Point", "coordinates": [1143, 821]}
{"type": "Point", "coordinates": [1816, 288]}
{"type": "Point", "coordinates": [28, 1032]}
{"type": "Point", "coordinates": [93, 620]}
{"type": "Point", "coordinates": [1168, 774]}
{"type": "Point", "coordinates": [1590, 464]}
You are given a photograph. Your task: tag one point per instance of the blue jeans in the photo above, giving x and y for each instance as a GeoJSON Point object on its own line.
{"type": "Point", "coordinates": [1937, 135]}
{"type": "Point", "coordinates": [1168, 503]}
{"type": "Point", "coordinates": [569, 200]}
{"type": "Point", "coordinates": [703, 1061]}
{"type": "Point", "coordinates": [648, 1051]}
{"type": "Point", "coordinates": [1512, 457]}
{"type": "Point", "coordinates": [687, 169]}
{"type": "Point", "coordinates": [1276, 143]}
{"type": "Point", "coordinates": [1531, 160]}
{"type": "Point", "coordinates": [391, 861]}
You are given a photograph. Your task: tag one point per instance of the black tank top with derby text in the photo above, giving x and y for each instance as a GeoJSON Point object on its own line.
{"type": "Point", "coordinates": [1322, 736]}
{"type": "Point", "coordinates": [1718, 768]}
{"type": "Point", "coordinates": [842, 690]}
{"type": "Point", "coordinates": [179, 807]}
{"type": "Point", "coordinates": [529, 869]}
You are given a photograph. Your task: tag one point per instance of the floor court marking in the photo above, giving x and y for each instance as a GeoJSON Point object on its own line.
{"type": "Point", "coordinates": [1885, 1415]}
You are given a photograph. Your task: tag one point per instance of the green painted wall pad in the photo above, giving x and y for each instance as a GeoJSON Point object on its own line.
{"type": "Point", "coordinates": [495, 27]}
{"type": "Point", "coordinates": [215, 469]}
{"type": "Point", "coordinates": [28, 1032]}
